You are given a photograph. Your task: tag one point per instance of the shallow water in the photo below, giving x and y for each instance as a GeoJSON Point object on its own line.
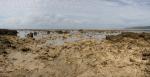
{"type": "Point", "coordinates": [54, 38]}
{"type": "Point", "coordinates": [57, 39]}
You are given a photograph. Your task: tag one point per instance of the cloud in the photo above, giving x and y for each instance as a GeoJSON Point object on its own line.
{"type": "Point", "coordinates": [73, 13]}
{"type": "Point", "coordinates": [131, 2]}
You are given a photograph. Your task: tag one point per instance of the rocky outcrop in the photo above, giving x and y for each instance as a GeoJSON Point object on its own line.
{"type": "Point", "coordinates": [118, 38]}
{"type": "Point", "coordinates": [8, 32]}
{"type": "Point", "coordinates": [62, 31]}
{"type": "Point", "coordinates": [83, 58]}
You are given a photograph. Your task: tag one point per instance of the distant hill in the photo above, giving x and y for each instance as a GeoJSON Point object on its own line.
{"type": "Point", "coordinates": [140, 27]}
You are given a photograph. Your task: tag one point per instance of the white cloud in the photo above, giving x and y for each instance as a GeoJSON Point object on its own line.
{"type": "Point", "coordinates": [67, 13]}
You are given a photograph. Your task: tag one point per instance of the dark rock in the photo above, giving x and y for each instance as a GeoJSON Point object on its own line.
{"type": "Point", "coordinates": [118, 38]}
{"type": "Point", "coordinates": [146, 36]}
{"type": "Point", "coordinates": [48, 32]}
{"type": "Point", "coordinates": [130, 35]}
{"type": "Point", "coordinates": [30, 35]}
{"type": "Point", "coordinates": [144, 58]}
{"type": "Point", "coordinates": [13, 47]}
{"type": "Point", "coordinates": [146, 54]}
{"type": "Point", "coordinates": [59, 32]}
{"type": "Point", "coordinates": [35, 33]}
{"type": "Point", "coordinates": [4, 41]}
{"type": "Point", "coordinates": [2, 51]}
{"type": "Point", "coordinates": [81, 30]}
{"type": "Point", "coordinates": [113, 38]}
{"type": "Point", "coordinates": [26, 49]}
{"type": "Point", "coordinates": [8, 32]}
{"type": "Point", "coordinates": [132, 60]}
{"type": "Point", "coordinates": [62, 32]}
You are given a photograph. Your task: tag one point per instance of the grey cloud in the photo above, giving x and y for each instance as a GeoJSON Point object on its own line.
{"type": "Point", "coordinates": [73, 13]}
{"type": "Point", "coordinates": [120, 2]}
{"type": "Point", "coordinates": [131, 2]}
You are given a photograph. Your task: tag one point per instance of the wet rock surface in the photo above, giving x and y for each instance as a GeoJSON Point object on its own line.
{"type": "Point", "coordinates": [123, 55]}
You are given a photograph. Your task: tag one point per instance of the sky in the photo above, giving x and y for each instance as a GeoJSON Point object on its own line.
{"type": "Point", "coordinates": [74, 14]}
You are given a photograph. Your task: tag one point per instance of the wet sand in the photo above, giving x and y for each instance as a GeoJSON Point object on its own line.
{"type": "Point", "coordinates": [75, 54]}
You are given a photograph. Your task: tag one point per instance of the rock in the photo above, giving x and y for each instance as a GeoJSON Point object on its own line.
{"type": "Point", "coordinates": [2, 51]}
{"type": "Point", "coordinates": [146, 36]}
{"type": "Point", "coordinates": [25, 49]}
{"type": "Point", "coordinates": [8, 32]}
{"type": "Point", "coordinates": [4, 41]}
{"type": "Point", "coordinates": [35, 33]}
{"type": "Point", "coordinates": [130, 35]}
{"type": "Point", "coordinates": [146, 54]}
{"type": "Point", "coordinates": [30, 35]}
{"type": "Point", "coordinates": [62, 32]}
{"type": "Point", "coordinates": [48, 32]}
{"type": "Point", "coordinates": [113, 38]}
{"type": "Point", "coordinates": [118, 38]}
{"type": "Point", "coordinates": [81, 31]}
{"type": "Point", "coordinates": [132, 60]}
{"type": "Point", "coordinates": [76, 59]}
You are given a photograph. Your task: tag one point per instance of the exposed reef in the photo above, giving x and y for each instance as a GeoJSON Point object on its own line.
{"type": "Point", "coordinates": [123, 55]}
{"type": "Point", "coordinates": [8, 32]}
